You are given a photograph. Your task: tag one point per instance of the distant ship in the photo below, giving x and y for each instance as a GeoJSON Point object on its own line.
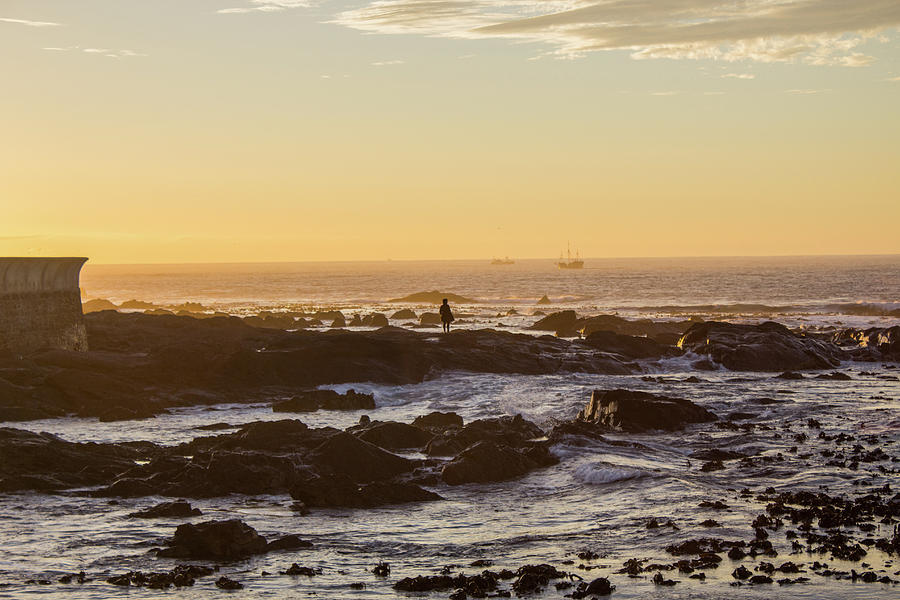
{"type": "Point", "coordinates": [568, 262]}
{"type": "Point", "coordinates": [503, 261]}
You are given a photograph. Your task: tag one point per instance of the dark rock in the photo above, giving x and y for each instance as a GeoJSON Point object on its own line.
{"type": "Point", "coordinates": [341, 491]}
{"type": "Point", "coordinates": [835, 376]}
{"type": "Point", "coordinates": [339, 322]}
{"type": "Point", "coordinates": [741, 572]}
{"type": "Point", "coordinates": [314, 400]}
{"type": "Point", "coordinates": [288, 542]}
{"type": "Point", "coordinates": [598, 587]}
{"type": "Point", "coordinates": [97, 305]}
{"type": "Point", "coordinates": [438, 421]}
{"type": "Point", "coordinates": [140, 364]}
{"type": "Point", "coordinates": [531, 579]}
{"type": "Point", "coordinates": [765, 347]}
{"type": "Point", "coordinates": [392, 435]}
{"type": "Point", "coordinates": [215, 427]}
{"type": "Point", "coordinates": [404, 314]}
{"type": "Point", "coordinates": [790, 375]}
{"type": "Point", "coordinates": [225, 583]}
{"type": "Point", "coordinates": [658, 579]}
{"type": "Point", "coordinates": [375, 320]}
{"type": "Point", "coordinates": [641, 411]}
{"type": "Point", "coordinates": [513, 431]}
{"type": "Point", "coordinates": [296, 569]}
{"type": "Point", "coordinates": [44, 462]}
{"type": "Point", "coordinates": [179, 508]}
{"type": "Point", "coordinates": [627, 345]}
{"type": "Point", "coordinates": [544, 300]}
{"type": "Point", "coordinates": [874, 343]}
{"type": "Point", "coordinates": [345, 454]}
{"type": "Point", "coordinates": [488, 461]}
{"type": "Point", "coordinates": [268, 320]}
{"type": "Point", "coordinates": [429, 318]}
{"type": "Point", "coordinates": [217, 540]}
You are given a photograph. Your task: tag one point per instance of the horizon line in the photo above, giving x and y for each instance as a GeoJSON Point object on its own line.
{"type": "Point", "coordinates": [483, 259]}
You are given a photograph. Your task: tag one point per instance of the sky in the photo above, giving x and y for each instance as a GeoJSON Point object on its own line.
{"type": "Point", "coordinates": [161, 131]}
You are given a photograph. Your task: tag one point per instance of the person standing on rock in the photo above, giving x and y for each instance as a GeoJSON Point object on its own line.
{"type": "Point", "coordinates": [446, 316]}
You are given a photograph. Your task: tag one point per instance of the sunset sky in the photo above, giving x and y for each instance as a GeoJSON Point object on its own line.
{"type": "Point", "coordinates": [256, 130]}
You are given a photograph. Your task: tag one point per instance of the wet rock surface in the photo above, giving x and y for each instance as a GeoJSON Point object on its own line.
{"type": "Point", "coordinates": [45, 462]}
{"type": "Point", "coordinates": [641, 411]}
{"type": "Point", "coordinates": [219, 540]}
{"type": "Point", "coordinates": [766, 347]}
{"type": "Point", "coordinates": [140, 365]}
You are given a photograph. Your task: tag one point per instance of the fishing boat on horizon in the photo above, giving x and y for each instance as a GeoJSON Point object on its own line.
{"type": "Point", "coordinates": [503, 261]}
{"type": "Point", "coordinates": [568, 262]}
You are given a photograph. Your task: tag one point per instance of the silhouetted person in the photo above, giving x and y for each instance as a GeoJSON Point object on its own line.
{"type": "Point", "coordinates": [446, 316]}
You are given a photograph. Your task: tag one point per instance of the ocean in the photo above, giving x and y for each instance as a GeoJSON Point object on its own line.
{"type": "Point", "coordinates": [598, 498]}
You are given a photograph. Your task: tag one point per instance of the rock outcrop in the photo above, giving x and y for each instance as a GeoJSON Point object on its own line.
{"type": "Point", "coordinates": [635, 411]}
{"type": "Point", "coordinates": [874, 343]}
{"type": "Point", "coordinates": [567, 323]}
{"type": "Point", "coordinates": [768, 346]}
{"type": "Point", "coordinates": [141, 365]}
{"type": "Point", "coordinates": [44, 462]}
{"type": "Point", "coordinates": [489, 461]}
{"type": "Point", "coordinates": [215, 540]}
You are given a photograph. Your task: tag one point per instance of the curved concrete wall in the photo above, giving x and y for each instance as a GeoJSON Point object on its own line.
{"type": "Point", "coordinates": [40, 304]}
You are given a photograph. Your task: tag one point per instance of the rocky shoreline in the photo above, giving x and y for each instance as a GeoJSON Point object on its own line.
{"type": "Point", "coordinates": [142, 365]}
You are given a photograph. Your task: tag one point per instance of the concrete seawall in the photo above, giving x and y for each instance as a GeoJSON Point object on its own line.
{"type": "Point", "coordinates": [40, 304]}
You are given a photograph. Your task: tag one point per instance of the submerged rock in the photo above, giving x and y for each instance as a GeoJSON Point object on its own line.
{"type": "Point", "coordinates": [313, 400]}
{"type": "Point", "coordinates": [179, 508]}
{"type": "Point", "coordinates": [641, 411]}
{"type": "Point", "coordinates": [341, 491]}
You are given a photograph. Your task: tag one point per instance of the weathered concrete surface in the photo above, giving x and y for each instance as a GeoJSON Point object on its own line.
{"type": "Point", "coordinates": [40, 304]}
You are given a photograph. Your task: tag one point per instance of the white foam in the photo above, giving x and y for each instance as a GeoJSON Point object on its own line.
{"type": "Point", "coordinates": [602, 473]}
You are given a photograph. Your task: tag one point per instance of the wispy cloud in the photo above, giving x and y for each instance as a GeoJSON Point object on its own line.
{"type": "Point", "coordinates": [818, 32]}
{"type": "Point", "coordinates": [387, 63]}
{"type": "Point", "coordinates": [806, 92]}
{"type": "Point", "coordinates": [30, 23]}
{"type": "Point", "coordinates": [739, 76]}
{"type": "Point", "coordinates": [893, 79]}
{"type": "Point", "coordinates": [266, 6]}
{"type": "Point", "coordinates": [107, 52]}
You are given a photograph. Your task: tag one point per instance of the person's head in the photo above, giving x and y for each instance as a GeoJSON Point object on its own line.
{"type": "Point", "coordinates": [445, 301]}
